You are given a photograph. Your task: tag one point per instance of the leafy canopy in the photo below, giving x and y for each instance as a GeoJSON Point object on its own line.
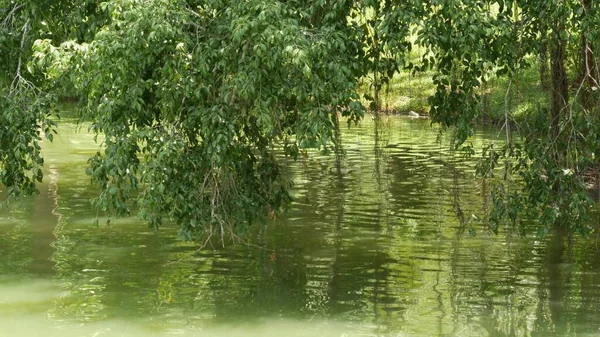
{"type": "Point", "coordinates": [193, 100]}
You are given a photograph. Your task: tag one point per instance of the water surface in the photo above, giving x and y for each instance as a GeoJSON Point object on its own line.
{"type": "Point", "coordinates": [376, 243]}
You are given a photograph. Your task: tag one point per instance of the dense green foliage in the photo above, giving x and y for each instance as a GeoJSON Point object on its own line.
{"type": "Point", "coordinates": [557, 156]}
{"type": "Point", "coordinates": [193, 99]}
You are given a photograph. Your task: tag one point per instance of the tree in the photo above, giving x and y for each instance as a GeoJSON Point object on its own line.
{"type": "Point", "coordinates": [194, 99]}
{"type": "Point", "coordinates": [559, 142]}
{"type": "Point", "coordinates": [24, 109]}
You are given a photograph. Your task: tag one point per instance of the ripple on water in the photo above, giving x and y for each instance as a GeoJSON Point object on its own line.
{"type": "Point", "coordinates": [371, 246]}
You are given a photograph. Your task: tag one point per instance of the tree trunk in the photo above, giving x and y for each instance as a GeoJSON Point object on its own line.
{"type": "Point", "coordinates": [559, 96]}
{"type": "Point", "coordinates": [543, 60]}
{"type": "Point", "coordinates": [588, 74]}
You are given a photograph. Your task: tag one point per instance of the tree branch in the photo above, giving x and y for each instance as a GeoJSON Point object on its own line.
{"type": "Point", "coordinates": [10, 15]}
{"type": "Point", "coordinates": [19, 79]}
{"type": "Point", "coordinates": [507, 112]}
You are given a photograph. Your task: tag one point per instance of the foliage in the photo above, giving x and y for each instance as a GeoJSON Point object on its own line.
{"type": "Point", "coordinates": [199, 100]}
{"type": "Point", "coordinates": [556, 159]}
{"type": "Point", "coordinates": [24, 110]}
{"type": "Point", "coordinates": [193, 99]}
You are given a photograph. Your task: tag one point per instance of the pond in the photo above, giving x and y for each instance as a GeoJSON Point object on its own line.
{"type": "Point", "coordinates": [377, 243]}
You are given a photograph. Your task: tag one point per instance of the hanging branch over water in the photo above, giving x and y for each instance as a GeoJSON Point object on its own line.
{"type": "Point", "coordinates": [19, 83]}
{"type": "Point", "coordinates": [211, 89]}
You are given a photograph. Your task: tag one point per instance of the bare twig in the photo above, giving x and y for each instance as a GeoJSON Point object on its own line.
{"type": "Point", "coordinates": [193, 252]}
{"type": "Point", "coordinates": [194, 13]}
{"type": "Point", "coordinates": [19, 81]}
{"type": "Point", "coordinates": [507, 112]}
{"type": "Point", "coordinates": [9, 17]}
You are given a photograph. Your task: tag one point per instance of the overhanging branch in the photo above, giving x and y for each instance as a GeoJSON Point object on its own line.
{"type": "Point", "coordinates": [10, 16]}
{"type": "Point", "coordinates": [19, 80]}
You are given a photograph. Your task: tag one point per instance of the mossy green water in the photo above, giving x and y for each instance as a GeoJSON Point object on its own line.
{"type": "Point", "coordinates": [371, 246]}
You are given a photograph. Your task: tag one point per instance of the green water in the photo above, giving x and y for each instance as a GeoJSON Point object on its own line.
{"type": "Point", "coordinates": [372, 246]}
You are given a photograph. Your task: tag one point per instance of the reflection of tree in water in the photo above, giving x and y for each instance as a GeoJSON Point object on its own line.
{"type": "Point", "coordinates": [15, 247]}
{"type": "Point", "coordinates": [557, 279]}
{"type": "Point", "coordinates": [588, 313]}
{"type": "Point", "coordinates": [484, 288]}
{"type": "Point", "coordinates": [106, 272]}
{"type": "Point", "coordinates": [506, 299]}
{"type": "Point", "coordinates": [410, 178]}
{"type": "Point", "coordinates": [381, 139]}
{"type": "Point", "coordinates": [333, 293]}
{"type": "Point", "coordinates": [46, 218]}
{"type": "Point", "coordinates": [339, 254]}
{"type": "Point", "coordinates": [455, 291]}
{"type": "Point", "coordinates": [382, 298]}
{"type": "Point", "coordinates": [248, 287]}
{"type": "Point", "coordinates": [334, 247]}
{"type": "Point", "coordinates": [423, 172]}
{"type": "Point", "coordinates": [517, 290]}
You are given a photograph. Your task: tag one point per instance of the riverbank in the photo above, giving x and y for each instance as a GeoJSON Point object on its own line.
{"type": "Point", "coordinates": [409, 91]}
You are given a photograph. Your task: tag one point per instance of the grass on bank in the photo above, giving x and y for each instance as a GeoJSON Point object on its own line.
{"type": "Point", "coordinates": [410, 92]}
